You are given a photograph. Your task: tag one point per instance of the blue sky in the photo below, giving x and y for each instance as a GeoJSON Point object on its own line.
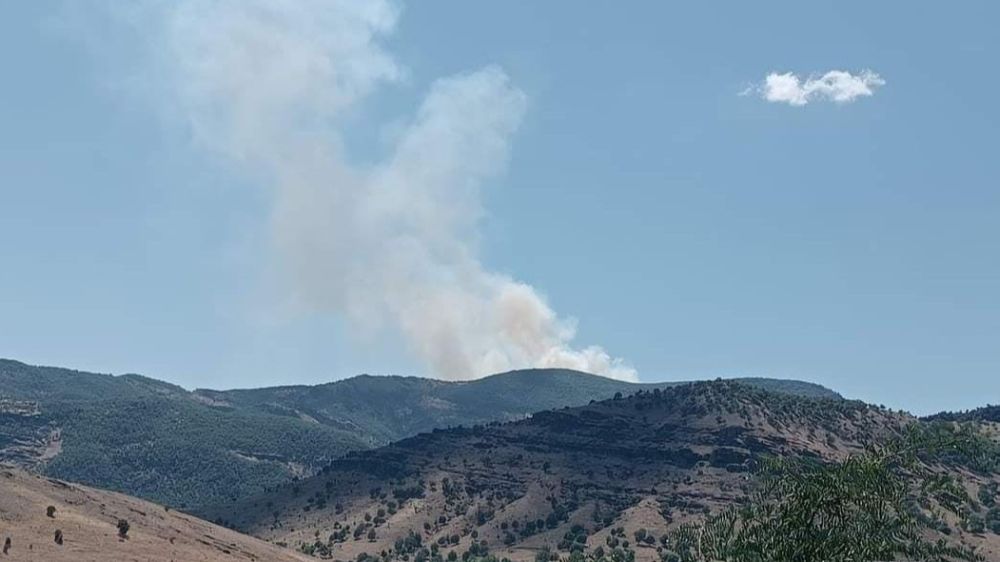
{"type": "Point", "coordinates": [690, 230]}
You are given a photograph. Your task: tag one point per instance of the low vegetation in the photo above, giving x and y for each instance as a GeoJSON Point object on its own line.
{"type": "Point", "coordinates": [872, 506]}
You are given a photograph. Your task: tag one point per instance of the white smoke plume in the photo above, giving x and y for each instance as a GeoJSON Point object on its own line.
{"type": "Point", "coordinates": [270, 84]}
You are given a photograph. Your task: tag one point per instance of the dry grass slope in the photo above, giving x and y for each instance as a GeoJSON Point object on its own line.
{"type": "Point", "coordinates": [87, 519]}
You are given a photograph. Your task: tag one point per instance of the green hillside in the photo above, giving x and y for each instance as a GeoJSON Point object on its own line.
{"type": "Point", "coordinates": [389, 408]}
{"type": "Point", "coordinates": [152, 439]}
{"type": "Point", "coordinates": [188, 449]}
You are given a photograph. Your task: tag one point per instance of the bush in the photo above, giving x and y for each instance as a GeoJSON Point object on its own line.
{"type": "Point", "coordinates": [993, 519]}
{"type": "Point", "coordinates": [859, 509]}
{"type": "Point", "coordinates": [123, 528]}
{"type": "Point", "coordinates": [974, 524]}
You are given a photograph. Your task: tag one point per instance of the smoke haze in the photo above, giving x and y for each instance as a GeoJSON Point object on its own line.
{"type": "Point", "coordinates": [390, 245]}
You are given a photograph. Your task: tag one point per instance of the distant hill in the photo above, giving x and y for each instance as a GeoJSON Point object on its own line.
{"type": "Point", "coordinates": [87, 520]}
{"type": "Point", "coordinates": [988, 413]}
{"type": "Point", "coordinates": [614, 475]}
{"type": "Point", "coordinates": [389, 408]}
{"type": "Point", "coordinates": [187, 449]}
{"type": "Point", "coordinates": [151, 439]}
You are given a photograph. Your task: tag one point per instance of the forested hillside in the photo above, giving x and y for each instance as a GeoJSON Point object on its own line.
{"type": "Point", "coordinates": [194, 449]}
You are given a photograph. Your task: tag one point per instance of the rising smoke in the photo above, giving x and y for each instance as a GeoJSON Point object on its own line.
{"type": "Point", "coordinates": [271, 84]}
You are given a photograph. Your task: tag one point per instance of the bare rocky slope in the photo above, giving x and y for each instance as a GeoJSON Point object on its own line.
{"type": "Point", "coordinates": [613, 474]}
{"type": "Point", "coordinates": [86, 520]}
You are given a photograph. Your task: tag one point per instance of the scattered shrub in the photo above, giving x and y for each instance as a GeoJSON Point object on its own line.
{"type": "Point", "coordinates": [123, 528]}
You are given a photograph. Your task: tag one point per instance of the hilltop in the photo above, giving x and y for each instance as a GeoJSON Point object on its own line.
{"type": "Point", "coordinates": [193, 449]}
{"type": "Point", "coordinates": [988, 413]}
{"type": "Point", "coordinates": [389, 408]}
{"type": "Point", "coordinates": [613, 474]}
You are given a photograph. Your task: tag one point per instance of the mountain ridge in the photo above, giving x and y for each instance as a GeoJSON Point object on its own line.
{"type": "Point", "coordinates": [189, 449]}
{"type": "Point", "coordinates": [585, 477]}
{"type": "Point", "coordinates": [7, 364]}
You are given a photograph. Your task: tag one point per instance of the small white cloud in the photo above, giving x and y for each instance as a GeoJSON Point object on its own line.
{"type": "Point", "coordinates": [837, 86]}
